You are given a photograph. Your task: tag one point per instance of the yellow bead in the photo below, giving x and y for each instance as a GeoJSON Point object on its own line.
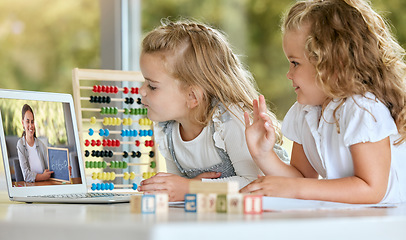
{"type": "Point", "coordinates": [92, 120]}
{"type": "Point", "coordinates": [132, 175]}
{"type": "Point", "coordinates": [126, 176]}
{"type": "Point", "coordinates": [94, 175]}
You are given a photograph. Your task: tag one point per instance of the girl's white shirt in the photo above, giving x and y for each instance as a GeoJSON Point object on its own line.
{"type": "Point", "coordinates": [361, 119]}
{"type": "Point", "coordinates": [201, 153]}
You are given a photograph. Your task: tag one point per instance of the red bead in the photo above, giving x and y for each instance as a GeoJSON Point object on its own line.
{"type": "Point", "coordinates": [115, 89]}
{"type": "Point", "coordinates": [136, 90]}
{"type": "Point", "coordinates": [151, 143]}
{"type": "Point", "coordinates": [125, 90]}
{"type": "Point", "coordinates": [133, 90]}
{"type": "Point", "coordinates": [98, 88]}
{"type": "Point", "coordinates": [98, 142]}
{"type": "Point", "coordinates": [87, 143]}
{"type": "Point", "coordinates": [109, 142]}
{"type": "Point", "coordinates": [93, 143]}
{"type": "Point", "coordinates": [118, 143]}
{"type": "Point", "coordinates": [137, 143]}
{"type": "Point", "coordinates": [94, 88]}
{"type": "Point", "coordinates": [108, 89]}
{"type": "Point", "coordinates": [103, 88]}
{"type": "Point", "coordinates": [104, 142]}
{"type": "Point", "coordinates": [113, 143]}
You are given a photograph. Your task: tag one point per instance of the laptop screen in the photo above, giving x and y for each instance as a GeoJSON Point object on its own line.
{"type": "Point", "coordinates": [39, 144]}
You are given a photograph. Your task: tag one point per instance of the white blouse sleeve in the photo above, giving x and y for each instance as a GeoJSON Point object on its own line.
{"type": "Point", "coordinates": [229, 135]}
{"type": "Point", "coordinates": [366, 120]}
{"type": "Point", "coordinates": [292, 123]}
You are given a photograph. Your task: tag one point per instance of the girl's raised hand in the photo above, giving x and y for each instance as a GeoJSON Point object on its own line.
{"type": "Point", "coordinates": [260, 135]}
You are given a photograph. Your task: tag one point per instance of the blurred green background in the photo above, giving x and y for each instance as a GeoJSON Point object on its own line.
{"type": "Point", "coordinates": [43, 40]}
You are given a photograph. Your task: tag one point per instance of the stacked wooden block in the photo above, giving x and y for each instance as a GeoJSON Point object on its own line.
{"type": "Point", "coordinates": [149, 203]}
{"type": "Point", "coordinates": [220, 197]}
{"type": "Point", "coordinates": [203, 197]}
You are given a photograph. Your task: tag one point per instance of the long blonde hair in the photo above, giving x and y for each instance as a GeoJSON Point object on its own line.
{"type": "Point", "coordinates": [203, 58]}
{"type": "Point", "coordinates": [354, 53]}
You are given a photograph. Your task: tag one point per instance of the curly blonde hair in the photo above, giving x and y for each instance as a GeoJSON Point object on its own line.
{"type": "Point", "coordinates": [202, 58]}
{"type": "Point", "coordinates": [354, 52]}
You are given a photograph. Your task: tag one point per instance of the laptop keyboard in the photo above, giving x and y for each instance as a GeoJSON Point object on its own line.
{"type": "Point", "coordinates": [83, 195]}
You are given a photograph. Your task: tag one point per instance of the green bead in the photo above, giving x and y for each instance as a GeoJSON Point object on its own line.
{"type": "Point", "coordinates": [99, 164]}
{"type": "Point", "coordinates": [104, 164]}
{"type": "Point", "coordinates": [115, 111]}
{"type": "Point", "coordinates": [113, 164]}
{"type": "Point", "coordinates": [125, 165]}
{"type": "Point", "coordinates": [153, 164]}
{"type": "Point", "coordinates": [126, 111]}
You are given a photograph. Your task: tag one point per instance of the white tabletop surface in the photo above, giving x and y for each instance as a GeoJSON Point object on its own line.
{"type": "Point", "coordinates": [114, 221]}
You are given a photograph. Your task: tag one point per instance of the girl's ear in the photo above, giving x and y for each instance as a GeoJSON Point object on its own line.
{"type": "Point", "coordinates": [194, 95]}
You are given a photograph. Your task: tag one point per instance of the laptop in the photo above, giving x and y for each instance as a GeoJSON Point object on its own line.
{"type": "Point", "coordinates": [56, 127]}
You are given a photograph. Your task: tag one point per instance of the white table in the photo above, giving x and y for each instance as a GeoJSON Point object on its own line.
{"type": "Point", "coordinates": [114, 221]}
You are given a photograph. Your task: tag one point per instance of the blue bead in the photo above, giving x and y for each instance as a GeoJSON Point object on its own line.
{"type": "Point", "coordinates": [93, 186]}
{"type": "Point", "coordinates": [150, 132]}
{"type": "Point", "coordinates": [106, 132]}
{"type": "Point", "coordinates": [103, 186]}
{"type": "Point", "coordinates": [135, 186]}
{"type": "Point", "coordinates": [98, 186]}
{"type": "Point", "coordinates": [91, 132]}
{"type": "Point", "coordinates": [111, 186]}
{"type": "Point", "coordinates": [134, 133]}
{"type": "Point", "coordinates": [101, 132]}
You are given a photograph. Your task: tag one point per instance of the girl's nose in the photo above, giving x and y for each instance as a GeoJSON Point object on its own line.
{"type": "Point", "coordinates": [143, 93]}
{"type": "Point", "coordinates": [289, 75]}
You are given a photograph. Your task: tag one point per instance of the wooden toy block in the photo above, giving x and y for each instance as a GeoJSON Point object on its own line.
{"type": "Point", "coordinates": [135, 203]}
{"type": "Point", "coordinates": [161, 203]}
{"type": "Point", "coordinates": [211, 200]}
{"type": "Point", "coordinates": [235, 203]}
{"type": "Point", "coordinates": [148, 204]}
{"type": "Point", "coordinates": [221, 203]}
{"type": "Point", "coordinates": [213, 187]}
{"type": "Point", "coordinates": [252, 204]}
{"type": "Point", "coordinates": [191, 202]}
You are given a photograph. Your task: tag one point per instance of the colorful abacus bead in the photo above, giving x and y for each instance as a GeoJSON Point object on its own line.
{"type": "Point", "coordinates": [145, 133]}
{"type": "Point", "coordinates": [109, 110]}
{"type": "Point", "coordinates": [152, 164]}
{"type": "Point", "coordinates": [91, 132]}
{"type": "Point", "coordinates": [95, 164]}
{"type": "Point", "coordinates": [127, 121]}
{"type": "Point", "coordinates": [134, 90]}
{"type": "Point", "coordinates": [129, 100]}
{"type": "Point", "coordinates": [145, 121]}
{"type": "Point", "coordinates": [92, 120]}
{"type": "Point", "coordinates": [128, 133]}
{"type": "Point", "coordinates": [104, 132]}
{"type": "Point", "coordinates": [118, 164]}
{"type": "Point", "coordinates": [146, 175]}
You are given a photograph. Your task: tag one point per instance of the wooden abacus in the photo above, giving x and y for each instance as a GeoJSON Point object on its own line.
{"type": "Point", "coordinates": [137, 152]}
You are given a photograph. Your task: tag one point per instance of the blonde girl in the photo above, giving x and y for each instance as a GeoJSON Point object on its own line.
{"type": "Point", "coordinates": [348, 125]}
{"type": "Point", "coordinates": [197, 90]}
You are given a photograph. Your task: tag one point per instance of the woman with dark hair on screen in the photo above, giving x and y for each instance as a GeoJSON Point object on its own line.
{"type": "Point", "coordinates": [31, 151]}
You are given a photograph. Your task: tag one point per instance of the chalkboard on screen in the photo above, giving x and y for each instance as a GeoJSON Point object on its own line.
{"type": "Point", "coordinates": [58, 161]}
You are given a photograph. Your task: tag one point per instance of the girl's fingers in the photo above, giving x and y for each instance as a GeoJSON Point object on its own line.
{"type": "Point", "coordinates": [262, 104]}
{"type": "Point", "coordinates": [247, 119]}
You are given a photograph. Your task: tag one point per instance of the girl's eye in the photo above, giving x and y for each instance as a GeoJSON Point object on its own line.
{"type": "Point", "coordinates": [294, 63]}
{"type": "Point", "coordinates": [151, 87]}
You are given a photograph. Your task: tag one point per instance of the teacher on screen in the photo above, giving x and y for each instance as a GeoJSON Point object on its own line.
{"type": "Point", "coordinates": [31, 151]}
